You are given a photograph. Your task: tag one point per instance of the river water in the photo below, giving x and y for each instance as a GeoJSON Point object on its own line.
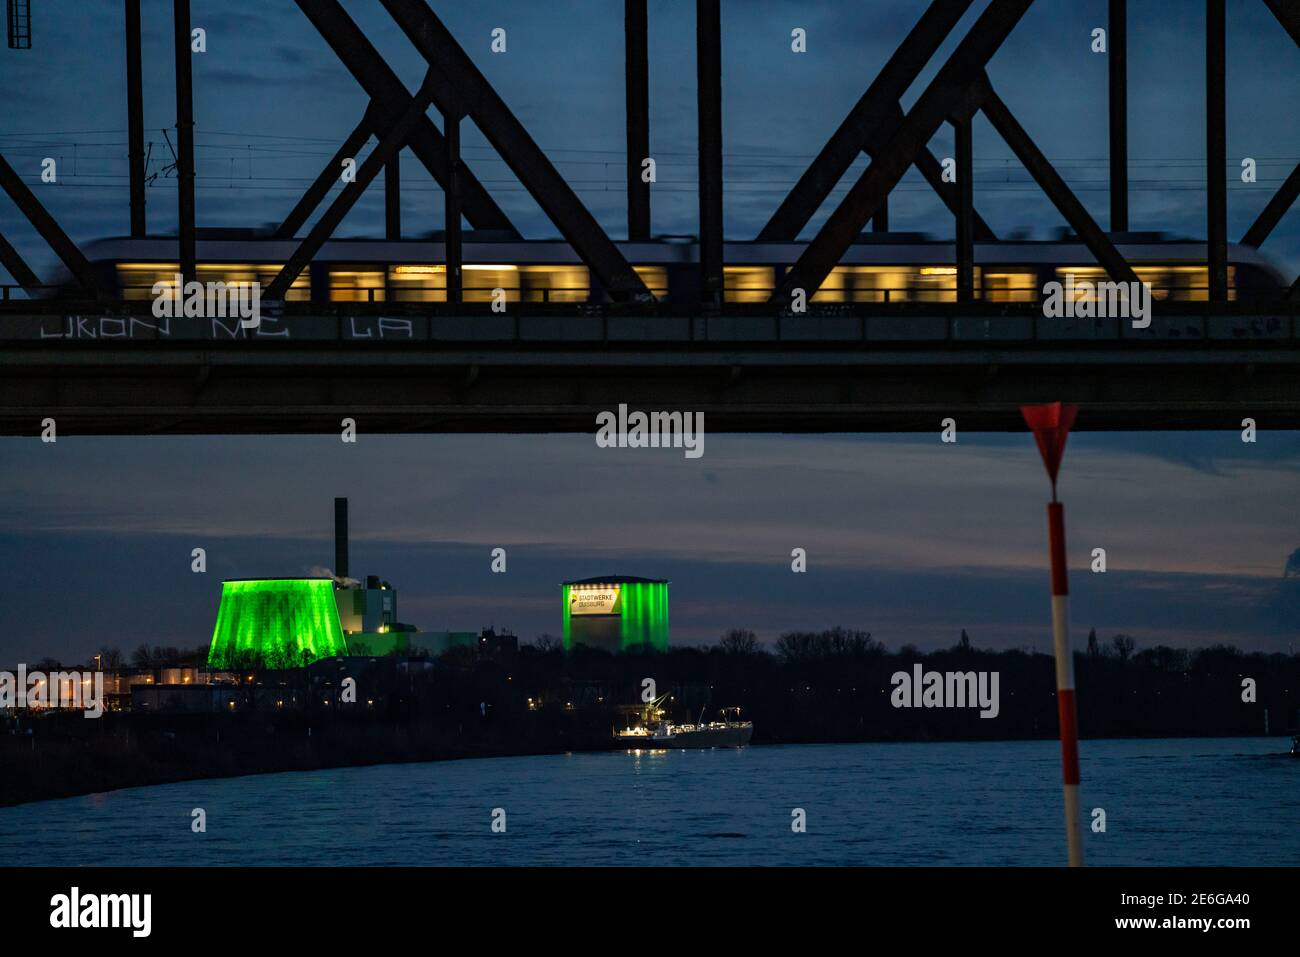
{"type": "Point", "coordinates": [1166, 802]}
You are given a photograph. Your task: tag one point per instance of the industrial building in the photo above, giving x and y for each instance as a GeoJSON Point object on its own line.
{"type": "Point", "coordinates": [276, 623]}
{"type": "Point", "coordinates": [291, 622]}
{"type": "Point", "coordinates": [617, 613]}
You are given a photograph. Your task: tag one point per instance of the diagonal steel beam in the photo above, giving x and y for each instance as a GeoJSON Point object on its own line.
{"type": "Point", "coordinates": [328, 176]}
{"type": "Point", "coordinates": [49, 230]}
{"type": "Point", "coordinates": [949, 92]}
{"type": "Point", "coordinates": [1287, 14]}
{"type": "Point", "coordinates": [19, 269]}
{"type": "Point", "coordinates": [388, 96]}
{"type": "Point", "coordinates": [1272, 213]}
{"type": "Point", "coordinates": [927, 164]}
{"type": "Point", "coordinates": [876, 108]}
{"type": "Point", "coordinates": [392, 141]}
{"type": "Point", "coordinates": [1050, 182]}
{"type": "Point", "coordinates": [462, 79]}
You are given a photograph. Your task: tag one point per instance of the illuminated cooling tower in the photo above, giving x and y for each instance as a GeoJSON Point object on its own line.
{"type": "Point", "coordinates": [616, 613]}
{"type": "Point", "coordinates": [276, 623]}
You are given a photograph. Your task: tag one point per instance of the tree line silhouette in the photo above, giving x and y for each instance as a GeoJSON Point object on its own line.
{"type": "Point", "coordinates": [835, 685]}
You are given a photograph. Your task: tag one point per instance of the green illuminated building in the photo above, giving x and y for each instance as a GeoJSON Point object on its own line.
{"type": "Point", "coordinates": [618, 613]}
{"type": "Point", "coordinates": [276, 623]}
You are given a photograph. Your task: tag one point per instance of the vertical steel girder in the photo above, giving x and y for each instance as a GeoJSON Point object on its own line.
{"type": "Point", "coordinates": [388, 97]}
{"type": "Point", "coordinates": [1216, 149]}
{"type": "Point", "coordinates": [456, 74]}
{"type": "Point", "coordinates": [393, 139]}
{"type": "Point", "coordinates": [135, 119]}
{"type": "Point", "coordinates": [451, 197]}
{"type": "Point", "coordinates": [636, 59]}
{"type": "Point", "coordinates": [1117, 64]}
{"type": "Point", "coordinates": [45, 225]}
{"type": "Point", "coordinates": [708, 59]}
{"type": "Point", "coordinates": [328, 176]}
{"type": "Point", "coordinates": [393, 198]}
{"type": "Point", "coordinates": [184, 139]}
{"type": "Point", "coordinates": [862, 128]}
{"type": "Point", "coordinates": [965, 238]}
{"type": "Point", "coordinates": [880, 221]}
{"type": "Point", "coordinates": [948, 92]}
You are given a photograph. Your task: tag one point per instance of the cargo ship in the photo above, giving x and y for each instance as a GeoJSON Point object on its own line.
{"type": "Point", "coordinates": [654, 733]}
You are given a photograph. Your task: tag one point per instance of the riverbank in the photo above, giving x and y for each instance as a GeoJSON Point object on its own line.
{"type": "Point", "coordinates": [121, 751]}
{"type": "Point", "coordinates": [117, 752]}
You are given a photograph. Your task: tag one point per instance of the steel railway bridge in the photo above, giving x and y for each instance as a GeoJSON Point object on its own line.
{"type": "Point", "coordinates": [99, 364]}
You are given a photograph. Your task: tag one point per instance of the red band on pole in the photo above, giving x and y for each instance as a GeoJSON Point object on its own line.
{"type": "Point", "coordinates": [1056, 544]}
{"type": "Point", "coordinates": [1069, 735]}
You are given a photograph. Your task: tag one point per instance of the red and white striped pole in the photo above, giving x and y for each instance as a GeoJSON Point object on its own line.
{"type": "Point", "coordinates": [1051, 426]}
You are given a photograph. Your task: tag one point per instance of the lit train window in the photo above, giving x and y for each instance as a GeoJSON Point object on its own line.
{"type": "Point", "coordinates": [262, 273]}
{"type": "Point", "coordinates": [1180, 283]}
{"type": "Point", "coordinates": [418, 283]}
{"type": "Point", "coordinates": [555, 283]}
{"type": "Point", "coordinates": [136, 280]}
{"type": "Point", "coordinates": [935, 284]}
{"type": "Point", "coordinates": [265, 275]}
{"type": "Point", "coordinates": [478, 281]}
{"type": "Point", "coordinates": [421, 283]}
{"type": "Point", "coordinates": [1006, 285]}
{"type": "Point", "coordinates": [748, 283]}
{"type": "Point", "coordinates": [356, 285]}
{"type": "Point", "coordinates": [655, 279]}
{"type": "Point", "coordinates": [1185, 283]}
{"type": "Point", "coordinates": [889, 284]}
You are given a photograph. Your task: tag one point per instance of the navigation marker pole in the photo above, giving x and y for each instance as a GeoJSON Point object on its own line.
{"type": "Point", "coordinates": [1051, 426]}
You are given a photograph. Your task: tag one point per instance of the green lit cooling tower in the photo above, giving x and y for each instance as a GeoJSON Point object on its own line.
{"type": "Point", "coordinates": [616, 613]}
{"type": "Point", "coordinates": [276, 623]}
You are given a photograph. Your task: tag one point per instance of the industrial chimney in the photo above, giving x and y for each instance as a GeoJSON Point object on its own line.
{"type": "Point", "coordinates": [340, 538]}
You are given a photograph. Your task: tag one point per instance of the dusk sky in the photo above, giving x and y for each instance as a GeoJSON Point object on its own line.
{"type": "Point", "coordinates": [907, 538]}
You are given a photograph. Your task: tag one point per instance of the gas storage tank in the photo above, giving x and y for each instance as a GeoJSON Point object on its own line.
{"type": "Point", "coordinates": [616, 613]}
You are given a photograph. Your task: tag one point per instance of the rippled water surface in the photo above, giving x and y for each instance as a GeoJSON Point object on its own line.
{"type": "Point", "coordinates": [1198, 802]}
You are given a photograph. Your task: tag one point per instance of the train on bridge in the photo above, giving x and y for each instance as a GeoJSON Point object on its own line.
{"type": "Point", "coordinates": [879, 268]}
